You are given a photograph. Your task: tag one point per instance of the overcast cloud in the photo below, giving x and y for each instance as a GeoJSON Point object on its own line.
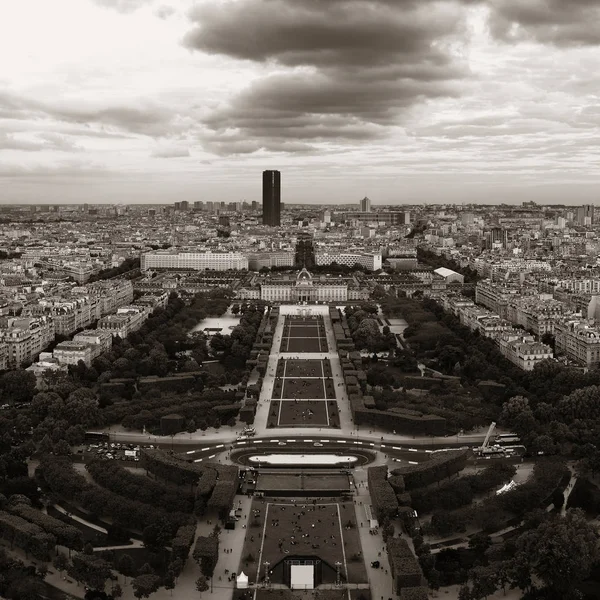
{"type": "Point", "coordinates": [403, 100]}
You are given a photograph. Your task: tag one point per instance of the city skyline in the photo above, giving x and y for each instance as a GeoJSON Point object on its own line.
{"type": "Point", "coordinates": [461, 101]}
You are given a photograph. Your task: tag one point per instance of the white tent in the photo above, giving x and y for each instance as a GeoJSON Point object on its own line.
{"type": "Point", "coordinates": [302, 577]}
{"type": "Point", "coordinates": [242, 581]}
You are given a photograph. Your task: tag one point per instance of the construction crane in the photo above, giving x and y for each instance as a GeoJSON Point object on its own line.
{"type": "Point", "coordinates": [486, 441]}
{"type": "Point", "coordinates": [485, 448]}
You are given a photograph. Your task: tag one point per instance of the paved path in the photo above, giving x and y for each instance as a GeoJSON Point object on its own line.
{"type": "Point", "coordinates": [372, 545]}
{"type": "Point", "coordinates": [264, 403]}
{"type": "Point", "coordinates": [79, 519]}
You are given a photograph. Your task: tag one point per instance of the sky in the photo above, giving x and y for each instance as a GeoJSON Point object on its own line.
{"type": "Point", "coordinates": [406, 101]}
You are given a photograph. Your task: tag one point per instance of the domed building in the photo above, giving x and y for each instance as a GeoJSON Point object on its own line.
{"type": "Point", "coordinates": [303, 287]}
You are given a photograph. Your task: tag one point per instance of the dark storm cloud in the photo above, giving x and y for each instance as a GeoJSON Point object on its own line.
{"type": "Point", "coordinates": [351, 69]}
{"type": "Point", "coordinates": [321, 34]}
{"type": "Point", "coordinates": [559, 22]}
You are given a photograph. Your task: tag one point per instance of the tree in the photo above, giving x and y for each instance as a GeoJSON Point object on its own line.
{"type": "Point", "coordinates": [169, 581]}
{"type": "Point", "coordinates": [46, 446]}
{"type": "Point", "coordinates": [480, 542]}
{"type": "Point", "coordinates": [514, 409]}
{"type": "Point", "coordinates": [60, 562]}
{"type": "Point", "coordinates": [145, 585]}
{"type": "Point", "coordinates": [17, 386]}
{"type": "Point", "coordinates": [146, 569]}
{"type": "Point", "coordinates": [117, 591]}
{"type": "Point", "coordinates": [561, 551]}
{"type": "Point", "coordinates": [126, 566]}
{"type": "Point", "coordinates": [201, 584]}
{"type": "Point", "coordinates": [62, 448]}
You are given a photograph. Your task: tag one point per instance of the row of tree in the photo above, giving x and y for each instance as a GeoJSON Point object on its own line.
{"type": "Point", "coordinates": [60, 477]}
{"type": "Point", "coordinates": [112, 476]}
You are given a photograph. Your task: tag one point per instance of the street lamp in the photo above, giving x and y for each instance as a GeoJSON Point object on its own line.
{"type": "Point", "coordinates": [338, 575]}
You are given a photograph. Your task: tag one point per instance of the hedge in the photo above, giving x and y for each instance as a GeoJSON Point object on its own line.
{"type": "Point", "coordinates": [440, 465]}
{"type": "Point", "coordinates": [225, 472]}
{"type": "Point", "coordinates": [222, 497]}
{"type": "Point", "coordinates": [207, 483]}
{"type": "Point", "coordinates": [536, 492]}
{"type": "Point", "coordinates": [397, 482]}
{"type": "Point", "coordinates": [400, 421]}
{"type": "Point", "coordinates": [168, 467]}
{"type": "Point", "coordinates": [458, 492]}
{"type": "Point", "coordinates": [182, 542]}
{"type": "Point", "coordinates": [404, 564]}
{"type": "Point", "coordinates": [27, 536]}
{"type": "Point", "coordinates": [385, 503]}
{"type": "Point", "coordinates": [66, 535]}
{"type": "Point", "coordinates": [206, 554]}
{"type": "Point", "coordinates": [414, 593]}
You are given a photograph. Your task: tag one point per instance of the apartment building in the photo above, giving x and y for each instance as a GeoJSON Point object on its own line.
{"type": "Point", "coordinates": [99, 340]}
{"type": "Point", "coordinates": [258, 260]}
{"type": "Point", "coordinates": [193, 261]}
{"type": "Point", "coordinates": [25, 338]}
{"type": "Point", "coordinates": [496, 297]}
{"type": "Point", "coordinates": [579, 341]}
{"type": "Point", "coordinates": [154, 300]}
{"type": "Point", "coordinates": [536, 314]}
{"type": "Point", "coordinates": [3, 356]}
{"type": "Point", "coordinates": [369, 261]}
{"type": "Point", "coordinates": [523, 351]}
{"type": "Point", "coordinates": [127, 319]}
{"type": "Point", "coordinates": [111, 294]}
{"type": "Point", "coordinates": [68, 315]}
{"type": "Point", "coordinates": [71, 352]}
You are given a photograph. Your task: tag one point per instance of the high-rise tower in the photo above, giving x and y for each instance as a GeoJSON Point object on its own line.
{"type": "Point", "coordinates": [365, 205]}
{"type": "Point", "coordinates": [271, 200]}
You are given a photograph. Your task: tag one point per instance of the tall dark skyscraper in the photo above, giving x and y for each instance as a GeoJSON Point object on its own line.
{"type": "Point", "coordinates": [271, 200]}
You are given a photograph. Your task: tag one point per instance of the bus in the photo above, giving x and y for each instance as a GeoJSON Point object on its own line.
{"type": "Point", "coordinates": [96, 436]}
{"type": "Point", "coordinates": [507, 438]}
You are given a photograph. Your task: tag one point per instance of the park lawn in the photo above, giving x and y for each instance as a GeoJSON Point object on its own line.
{"type": "Point", "coordinates": [291, 413]}
{"type": "Point", "coordinates": [287, 523]}
{"type": "Point", "coordinates": [304, 388]}
{"type": "Point", "coordinates": [304, 368]}
{"type": "Point", "coordinates": [302, 345]}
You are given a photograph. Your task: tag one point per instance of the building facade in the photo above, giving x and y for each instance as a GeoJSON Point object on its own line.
{"type": "Point", "coordinates": [271, 200]}
{"type": "Point", "coordinates": [579, 342]}
{"type": "Point", "coordinates": [372, 262]}
{"type": "Point", "coordinates": [193, 261]}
